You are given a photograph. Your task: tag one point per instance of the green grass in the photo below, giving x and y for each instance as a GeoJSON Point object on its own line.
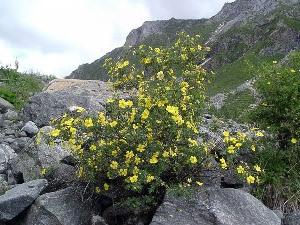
{"type": "Point", "coordinates": [236, 107]}
{"type": "Point", "coordinates": [232, 75]}
{"type": "Point", "coordinates": [17, 87]}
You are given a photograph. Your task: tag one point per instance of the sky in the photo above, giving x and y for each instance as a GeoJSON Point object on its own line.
{"type": "Point", "coordinates": [55, 37]}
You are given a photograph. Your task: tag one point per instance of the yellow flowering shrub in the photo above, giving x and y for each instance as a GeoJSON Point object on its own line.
{"type": "Point", "coordinates": [149, 140]}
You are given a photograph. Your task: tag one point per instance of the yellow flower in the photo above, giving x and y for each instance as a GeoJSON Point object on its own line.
{"type": "Point", "coordinates": [178, 119]}
{"type": "Point", "coordinates": [172, 109]}
{"type": "Point", "coordinates": [294, 140]}
{"type": "Point", "coordinates": [114, 165]}
{"type": "Point", "coordinates": [250, 179]}
{"type": "Point", "coordinates": [141, 148]}
{"type": "Point", "coordinates": [97, 190]}
{"type": "Point", "coordinates": [134, 126]}
{"type": "Point", "coordinates": [223, 163]}
{"type": "Point", "coordinates": [73, 130]}
{"type": "Point", "coordinates": [93, 148]}
{"type": "Point", "coordinates": [253, 148]}
{"type": "Point", "coordinates": [132, 116]}
{"type": "Point", "coordinates": [192, 142]}
{"type": "Point", "coordinates": [153, 159]}
{"type": "Point", "coordinates": [88, 122]}
{"type": "Point", "coordinates": [259, 134]}
{"type": "Point", "coordinates": [293, 71]}
{"type": "Point", "coordinates": [55, 133]}
{"type": "Point", "coordinates": [184, 57]}
{"type": "Point", "coordinates": [238, 145]}
{"type": "Point", "coordinates": [123, 172]}
{"type": "Point", "coordinates": [160, 75]}
{"type": "Point", "coordinates": [145, 114]}
{"type": "Point", "coordinates": [137, 160]}
{"type": "Point", "coordinates": [114, 153]}
{"type": "Point", "coordinates": [240, 169]}
{"type": "Point", "coordinates": [274, 61]}
{"type": "Point", "coordinates": [43, 171]}
{"type": "Point", "coordinates": [106, 186]}
{"type": "Point", "coordinates": [113, 123]}
{"type": "Point", "coordinates": [226, 133]}
{"type": "Point", "coordinates": [199, 183]}
{"type": "Point", "coordinates": [150, 178]}
{"type": "Point", "coordinates": [101, 118]}
{"type": "Point", "coordinates": [257, 168]}
{"type": "Point", "coordinates": [166, 154]}
{"type": "Point", "coordinates": [133, 178]}
{"type": "Point", "coordinates": [231, 149]}
{"type": "Point", "coordinates": [148, 102]}
{"type": "Point", "coordinates": [146, 61]}
{"type": "Point", "coordinates": [129, 154]}
{"type": "Point", "coordinates": [123, 104]}
{"type": "Point", "coordinates": [110, 100]}
{"type": "Point", "coordinates": [193, 159]}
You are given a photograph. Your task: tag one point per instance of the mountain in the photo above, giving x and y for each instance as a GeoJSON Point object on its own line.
{"type": "Point", "coordinates": [244, 30]}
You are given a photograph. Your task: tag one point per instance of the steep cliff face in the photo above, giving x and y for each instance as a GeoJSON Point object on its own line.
{"type": "Point", "coordinates": [270, 27]}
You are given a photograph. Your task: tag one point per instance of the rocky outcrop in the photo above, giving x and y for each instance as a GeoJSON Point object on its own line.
{"type": "Point", "coordinates": [16, 200]}
{"type": "Point", "coordinates": [63, 207]}
{"type": "Point", "coordinates": [62, 94]}
{"type": "Point", "coordinates": [214, 207]}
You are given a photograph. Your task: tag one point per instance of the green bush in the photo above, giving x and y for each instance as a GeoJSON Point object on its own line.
{"type": "Point", "coordinates": [149, 141]}
{"type": "Point", "coordinates": [279, 86]}
{"type": "Point", "coordinates": [279, 112]}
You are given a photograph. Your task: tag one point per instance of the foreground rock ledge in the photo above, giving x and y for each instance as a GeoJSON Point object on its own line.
{"type": "Point", "coordinates": [214, 206]}
{"type": "Point", "coordinates": [16, 200]}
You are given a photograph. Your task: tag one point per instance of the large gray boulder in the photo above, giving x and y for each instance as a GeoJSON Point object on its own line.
{"type": "Point", "coordinates": [5, 105]}
{"type": "Point", "coordinates": [62, 94]}
{"type": "Point", "coordinates": [215, 207]}
{"type": "Point", "coordinates": [63, 207]}
{"type": "Point", "coordinates": [6, 155]}
{"type": "Point", "coordinates": [25, 165]}
{"type": "Point", "coordinates": [16, 200]}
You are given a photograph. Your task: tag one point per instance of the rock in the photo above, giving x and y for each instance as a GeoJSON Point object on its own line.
{"type": "Point", "coordinates": [30, 128]}
{"type": "Point", "coordinates": [213, 206]}
{"type": "Point", "coordinates": [9, 140]}
{"type": "Point", "coordinates": [218, 100]}
{"type": "Point", "coordinates": [21, 143]}
{"type": "Point", "coordinates": [11, 115]}
{"type": "Point", "coordinates": [6, 155]}
{"type": "Point", "coordinates": [25, 167]}
{"type": "Point", "coordinates": [292, 218]}
{"type": "Point", "coordinates": [5, 105]}
{"type": "Point", "coordinates": [60, 177]}
{"type": "Point", "coordinates": [98, 220]}
{"type": "Point", "coordinates": [279, 213]}
{"type": "Point", "coordinates": [22, 134]}
{"type": "Point", "coordinates": [63, 94]}
{"type": "Point", "coordinates": [63, 207]}
{"type": "Point", "coordinates": [14, 201]}
{"type": "Point", "coordinates": [48, 156]}
{"type": "Point", "coordinates": [3, 184]}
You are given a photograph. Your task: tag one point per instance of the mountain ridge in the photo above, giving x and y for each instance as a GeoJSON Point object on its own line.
{"type": "Point", "coordinates": [238, 27]}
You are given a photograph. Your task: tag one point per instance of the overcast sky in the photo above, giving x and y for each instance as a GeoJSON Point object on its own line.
{"type": "Point", "coordinates": [56, 36]}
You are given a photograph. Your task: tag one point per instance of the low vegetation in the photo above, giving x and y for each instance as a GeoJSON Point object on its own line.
{"type": "Point", "coordinates": [17, 87]}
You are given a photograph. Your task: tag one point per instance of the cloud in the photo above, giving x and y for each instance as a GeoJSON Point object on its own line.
{"type": "Point", "coordinates": [54, 37]}
{"type": "Point", "coordinates": [188, 9]}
